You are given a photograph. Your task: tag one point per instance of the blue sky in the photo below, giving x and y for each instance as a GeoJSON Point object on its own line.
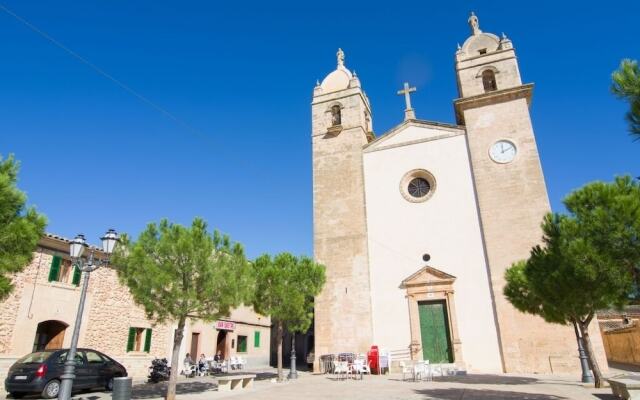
{"type": "Point", "coordinates": [239, 76]}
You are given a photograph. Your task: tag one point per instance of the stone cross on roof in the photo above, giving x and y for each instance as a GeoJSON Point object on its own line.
{"type": "Point", "coordinates": [409, 113]}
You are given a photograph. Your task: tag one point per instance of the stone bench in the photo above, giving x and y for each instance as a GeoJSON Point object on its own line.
{"type": "Point", "coordinates": [626, 387]}
{"type": "Point", "coordinates": [235, 382]}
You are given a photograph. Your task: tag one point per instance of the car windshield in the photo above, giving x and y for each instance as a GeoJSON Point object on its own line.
{"type": "Point", "coordinates": [35, 358]}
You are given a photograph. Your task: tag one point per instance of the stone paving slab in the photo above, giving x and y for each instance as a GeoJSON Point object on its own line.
{"type": "Point", "coordinates": [311, 387]}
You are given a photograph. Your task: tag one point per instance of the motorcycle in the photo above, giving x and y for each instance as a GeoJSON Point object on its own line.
{"type": "Point", "coordinates": [159, 370]}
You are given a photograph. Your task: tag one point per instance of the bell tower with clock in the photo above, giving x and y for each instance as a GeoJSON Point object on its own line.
{"type": "Point", "coordinates": [493, 105]}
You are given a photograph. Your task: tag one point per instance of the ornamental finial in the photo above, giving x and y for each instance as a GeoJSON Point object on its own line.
{"type": "Point", "coordinates": [474, 24]}
{"type": "Point", "coordinates": [340, 55]}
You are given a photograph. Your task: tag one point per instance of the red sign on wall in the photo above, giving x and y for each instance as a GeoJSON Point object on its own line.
{"type": "Point", "coordinates": [225, 325]}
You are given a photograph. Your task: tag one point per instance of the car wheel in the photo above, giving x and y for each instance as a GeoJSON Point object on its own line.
{"type": "Point", "coordinates": [109, 385]}
{"type": "Point", "coordinates": [17, 395]}
{"type": "Point", "coordinates": [51, 389]}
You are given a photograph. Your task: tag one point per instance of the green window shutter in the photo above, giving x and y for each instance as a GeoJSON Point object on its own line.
{"type": "Point", "coordinates": [76, 275]}
{"type": "Point", "coordinates": [132, 339]}
{"type": "Point", "coordinates": [147, 341]}
{"type": "Point", "coordinates": [54, 272]}
{"type": "Point", "coordinates": [256, 339]}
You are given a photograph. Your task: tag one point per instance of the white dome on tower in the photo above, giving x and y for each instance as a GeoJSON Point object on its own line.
{"type": "Point", "coordinates": [338, 79]}
{"type": "Point", "coordinates": [479, 42]}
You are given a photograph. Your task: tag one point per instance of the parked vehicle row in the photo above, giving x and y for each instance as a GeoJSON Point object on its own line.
{"type": "Point", "coordinates": [40, 372]}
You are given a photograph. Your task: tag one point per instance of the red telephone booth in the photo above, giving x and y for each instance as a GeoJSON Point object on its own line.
{"type": "Point", "coordinates": [372, 356]}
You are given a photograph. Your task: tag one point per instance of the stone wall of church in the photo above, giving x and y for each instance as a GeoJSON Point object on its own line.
{"type": "Point", "coordinates": [445, 226]}
{"type": "Point", "coordinates": [512, 201]}
{"type": "Point", "coordinates": [343, 308]}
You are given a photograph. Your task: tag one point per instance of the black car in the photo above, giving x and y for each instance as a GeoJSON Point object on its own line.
{"type": "Point", "coordinates": [40, 372]}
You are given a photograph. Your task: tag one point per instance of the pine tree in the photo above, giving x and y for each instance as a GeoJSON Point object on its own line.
{"type": "Point", "coordinates": [177, 273]}
{"type": "Point", "coordinates": [20, 226]}
{"type": "Point", "coordinates": [285, 288]}
{"type": "Point", "coordinates": [626, 85]}
{"type": "Point", "coordinates": [588, 262]}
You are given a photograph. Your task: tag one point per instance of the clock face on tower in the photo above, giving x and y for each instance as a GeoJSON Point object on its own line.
{"type": "Point", "coordinates": [503, 151]}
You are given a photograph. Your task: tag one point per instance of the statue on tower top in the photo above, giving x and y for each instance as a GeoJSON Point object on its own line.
{"type": "Point", "coordinates": [474, 24]}
{"type": "Point", "coordinates": [340, 55]}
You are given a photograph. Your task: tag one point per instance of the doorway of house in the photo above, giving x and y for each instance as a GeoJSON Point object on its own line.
{"type": "Point", "coordinates": [434, 329]}
{"type": "Point", "coordinates": [49, 335]}
{"type": "Point", "coordinates": [221, 344]}
{"type": "Point", "coordinates": [195, 338]}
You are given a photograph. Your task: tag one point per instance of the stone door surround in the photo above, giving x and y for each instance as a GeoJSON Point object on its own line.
{"type": "Point", "coordinates": [431, 284]}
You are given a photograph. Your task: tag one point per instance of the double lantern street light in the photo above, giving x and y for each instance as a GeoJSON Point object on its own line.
{"type": "Point", "coordinates": [77, 248]}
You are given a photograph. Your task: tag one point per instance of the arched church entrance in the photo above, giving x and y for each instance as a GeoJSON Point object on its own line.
{"type": "Point", "coordinates": [221, 343]}
{"type": "Point", "coordinates": [49, 335]}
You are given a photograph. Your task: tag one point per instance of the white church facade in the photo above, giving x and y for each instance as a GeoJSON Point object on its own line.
{"type": "Point", "coordinates": [417, 226]}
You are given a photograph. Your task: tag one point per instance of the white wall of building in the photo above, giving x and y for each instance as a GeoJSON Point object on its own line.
{"type": "Point", "coordinates": [446, 226]}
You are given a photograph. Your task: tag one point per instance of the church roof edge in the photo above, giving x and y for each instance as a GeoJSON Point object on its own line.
{"type": "Point", "coordinates": [419, 122]}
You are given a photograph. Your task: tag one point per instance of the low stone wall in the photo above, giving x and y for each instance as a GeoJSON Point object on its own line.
{"type": "Point", "coordinates": [623, 345]}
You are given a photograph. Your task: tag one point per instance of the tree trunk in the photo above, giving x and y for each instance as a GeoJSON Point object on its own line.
{"type": "Point", "coordinates": [279, 334]}
{"type": "Point", "coordinates": [588, 348]}
{"type": "Point", "coordinates": [173, 378]}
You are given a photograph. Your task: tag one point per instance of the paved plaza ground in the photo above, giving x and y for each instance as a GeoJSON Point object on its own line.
{"type": "Point", "coordinates": [389, 387]}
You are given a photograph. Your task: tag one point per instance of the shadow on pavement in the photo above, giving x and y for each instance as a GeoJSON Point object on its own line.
{"type": "Point", "coordinates": [606, 397]}
{"type": "Point", "coordinates": [149, 391]}
{"type": "Point", "coordinates": [192, 385]}
{"type": "Point", "coordinates": [479, 379]}
{"type": "Point", "coordinates": [480, 394]}
{"type": "Point", "coordinates": [624, 367]}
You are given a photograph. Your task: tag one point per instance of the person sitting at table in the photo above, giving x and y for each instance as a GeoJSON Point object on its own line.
{"type": "Point", "coordinates": [218, 356]}
{"type": "Point", "coordinates": [202, 364]}
{"type": "Point", "coordinates": [188, 365]}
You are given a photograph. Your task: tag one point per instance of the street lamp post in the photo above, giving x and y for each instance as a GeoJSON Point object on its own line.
{"type": "Point", "coordinates": [76, 248]}
{"type": "Point", "coordinates": [587, 376]}
{"type": "Point", "coordinates": [293, 373]}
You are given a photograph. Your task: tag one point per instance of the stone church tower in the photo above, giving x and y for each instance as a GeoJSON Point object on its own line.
{"type": "Point", "coordinates": [512, 196]}
{"type": "Point", "coordinates": [341, 126]}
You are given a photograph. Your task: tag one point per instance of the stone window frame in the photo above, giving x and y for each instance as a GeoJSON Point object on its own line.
{"type": "Point", "coordinates": [334, 129]}
{"type": "Point", "coordinates": [142, 338]}
{"type": "Point", "coordinates": [417, 173]}
{"type": "Point", "coordinates": [480, 75]}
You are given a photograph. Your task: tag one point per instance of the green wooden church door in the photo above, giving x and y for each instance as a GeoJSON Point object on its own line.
{"type": "Point", "coordinates": [434, 329]}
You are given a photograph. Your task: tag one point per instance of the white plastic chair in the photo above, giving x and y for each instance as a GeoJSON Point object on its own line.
{"type": "Point", "coordinates": [224, 366]}
{"type": "Point", "coordinates": [436, 369]}
{"type": "Point", "coordinates": [427, 373]}
{"type": "Point", "coordinates": [241, 362]}
{"type": "Point", "coordinates": [406, 369]}
{"type": "Point", "coordinates": [366, 368]}
{"type": "Point", "coordinates": [422, 371]}
{"type": "Point", "coordinates": [233, 362]}
{"type": "Point", "coordinates": [341, 369]}
{"type": "Point", "coordinates": [357, 367]}
{"type": "Point", "coordinates": [190, 370]}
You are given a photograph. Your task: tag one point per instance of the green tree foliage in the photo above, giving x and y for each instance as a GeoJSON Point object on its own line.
{"type": "Point", "coordinates": [176, 272]}
{"type": "Point", "coordinates": [285, 288]}
{"type": "Point", "coordinates": [588, 262]}
{"type": "Point", "coordinates": [20, 226]}
{"type": "Point", "coordinates": [626, 85]}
